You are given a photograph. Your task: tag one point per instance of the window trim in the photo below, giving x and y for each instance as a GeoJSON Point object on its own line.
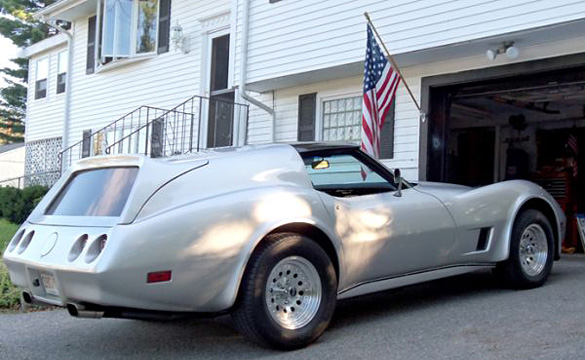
{"type": "Point", "coordinates": [46, 78]}
{"type": "Point", "coordinates": [348, 91]}
{"type": "Point", "coordinates": [122, 62]}
{"type": "Point", "coordinates": [100, 61]}
{"type": "Point", "coordinates": [360, 96]}
{"type": "Point", "coordinates": [321, 98]}
{"type": "Point", "coordinates": [61, 73]}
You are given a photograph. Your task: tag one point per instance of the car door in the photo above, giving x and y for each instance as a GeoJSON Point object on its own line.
{"type": "Point", "coordinates": [382, 235]}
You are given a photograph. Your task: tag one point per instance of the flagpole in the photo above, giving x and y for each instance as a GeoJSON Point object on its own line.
{"type": "Point", "coordinates": [394, 63]}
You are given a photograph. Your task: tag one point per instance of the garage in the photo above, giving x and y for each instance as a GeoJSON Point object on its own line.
{"type": "Point", "coordinates": [520, 121]}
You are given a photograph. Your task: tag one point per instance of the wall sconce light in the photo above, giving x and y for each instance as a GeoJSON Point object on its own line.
{"type": "Point", "coordinates": [508, 48]}
{"type": "Point", "coordinates": [179, 40]}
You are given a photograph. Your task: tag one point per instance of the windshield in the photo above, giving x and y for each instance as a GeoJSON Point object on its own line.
{"type": "Point", "coordinates": [101, 192]}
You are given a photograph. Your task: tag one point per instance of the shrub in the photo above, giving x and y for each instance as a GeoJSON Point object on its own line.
{"type": "Point", "coordinates": [9, 294]}
{"type": "Point", "coordinates": [17, 204]}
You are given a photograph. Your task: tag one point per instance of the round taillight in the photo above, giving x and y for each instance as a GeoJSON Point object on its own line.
{"type": "Point", "coordinates": [15, 240]}
{"type": "Point", "coordinates": [95, 249]}
{"type": "Point", "coordinates": [77, 248]}
{"type": "Point", "coordinates": [26, 241]}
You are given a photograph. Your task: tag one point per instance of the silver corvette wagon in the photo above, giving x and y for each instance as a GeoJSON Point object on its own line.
{"type": "Point", "coordinates": [272, 234]}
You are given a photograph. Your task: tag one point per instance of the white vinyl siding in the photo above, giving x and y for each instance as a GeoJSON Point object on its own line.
{"type": "Point", "coordinates": [286, 106]}
{"type": "Point", "coordinates": [44, 117]}
{"type": "Point", "coordinates": [289, 37]}
{"type": "Point", "coordinates": [98, 99]}
{"type": "Point", "coordinates": [294, 37]}
{"type": "Point", "coordinates": [163, 81]}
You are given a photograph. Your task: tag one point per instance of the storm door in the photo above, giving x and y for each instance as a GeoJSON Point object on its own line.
{"type": "Point", "coordinates": [220, 119]}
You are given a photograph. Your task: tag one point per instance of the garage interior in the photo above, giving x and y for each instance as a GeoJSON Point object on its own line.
{"type": "Point", "coordinates": [529, 126]}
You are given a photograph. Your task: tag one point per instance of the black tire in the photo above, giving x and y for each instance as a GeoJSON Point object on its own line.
{"type": "Point", "coordinates": [512, 271]}
{"type": "Point", "coordinates": [251, 314]}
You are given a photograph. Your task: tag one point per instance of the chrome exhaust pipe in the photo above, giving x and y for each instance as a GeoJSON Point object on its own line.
{"type": "Point", "coordinates": [80, 312]}
{"type": "Point", "coordinates": [27, 297]}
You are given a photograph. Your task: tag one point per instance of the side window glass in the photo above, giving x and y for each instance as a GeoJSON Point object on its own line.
{"type": "Point", "coordinates": [344, 175]}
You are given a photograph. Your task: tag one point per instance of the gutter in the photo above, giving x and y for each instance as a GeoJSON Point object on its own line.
{"type": "Point", "coordinates": [67, 107]}
{"type": "Point", "coordinates": [244, 67]}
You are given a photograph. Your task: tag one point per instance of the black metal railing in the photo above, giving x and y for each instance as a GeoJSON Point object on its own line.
{"type": "Point", "coordinates": [158, 132]}
{"type": "Point", "coordinates": [97, 141]}
{"type": "Point", "coordinates": [47, 178]}
{"type": "Point", "coordinates": [179, 130]}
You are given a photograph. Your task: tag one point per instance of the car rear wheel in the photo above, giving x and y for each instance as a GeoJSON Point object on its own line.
{"type": "Point", "coordinates": [288, 293]}
{"type": "Point", "coordinates": [531, 251]}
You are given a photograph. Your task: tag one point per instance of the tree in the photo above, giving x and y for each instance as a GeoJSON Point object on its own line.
{"type": "Point", "coordinates": [18, 25]}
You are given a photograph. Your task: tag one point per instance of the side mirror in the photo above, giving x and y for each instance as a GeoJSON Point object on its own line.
{"type": "Point", "coordinates": [398, 180]}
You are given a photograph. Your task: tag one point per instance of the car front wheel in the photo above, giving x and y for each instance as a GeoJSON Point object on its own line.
{"type": "Point", "coordinates": [531, 251]}
{"type": "Point", "coordinates": [288, 292]}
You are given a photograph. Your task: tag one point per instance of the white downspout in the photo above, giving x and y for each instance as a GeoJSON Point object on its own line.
{"type": "Point", "coordinates": [67, 107]}
{"type": "Point", "coordinates": [244, 67]}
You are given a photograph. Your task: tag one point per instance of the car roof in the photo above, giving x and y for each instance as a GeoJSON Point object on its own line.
{"type": "Point", "coordinates": [311, 146]}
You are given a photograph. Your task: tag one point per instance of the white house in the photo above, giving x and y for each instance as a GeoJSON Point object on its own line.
{"type": "Point", "coordinates": [11, 163]}
{"type": "Point", "coordinates": [298, 65]}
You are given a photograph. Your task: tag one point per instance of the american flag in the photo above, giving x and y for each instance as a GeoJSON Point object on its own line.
{"type": "Point", "coordinates": [380, 84]}
{"type": "Point", "coordinates": [573, 145]}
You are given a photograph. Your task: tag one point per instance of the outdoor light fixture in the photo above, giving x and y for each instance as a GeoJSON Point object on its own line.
{"type": "Point", "coordinates": [180, 41]}
{"type": "Point", "coordinates": [508, 48]}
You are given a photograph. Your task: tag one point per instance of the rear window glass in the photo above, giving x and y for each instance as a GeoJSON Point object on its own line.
{"type": "Point", "coordinates": [101, 192]}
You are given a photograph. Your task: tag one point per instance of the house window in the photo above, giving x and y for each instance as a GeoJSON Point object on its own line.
{"type": "Point", "coordinates": [342, 119]}
{"type": "Point", "coordinates": [62, 72]}
{"type": "Point", "coordinates": [42, 73]}
{"type": "Point", "coordinates": [130, 28]}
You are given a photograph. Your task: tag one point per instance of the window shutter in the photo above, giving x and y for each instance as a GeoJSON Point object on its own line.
{"type": "Point", "coordinates": [307, 109]}
{"type": "Point", "coordinates": [164, 26]}
{"type": "Point", "coordinates": [387, 135]}
{"type": "Point", "coordinates": [91, 37]}
{"type": "Point", "coordinates": [156, 138]}
{"type": "Point", "coordinates": [86, 144]}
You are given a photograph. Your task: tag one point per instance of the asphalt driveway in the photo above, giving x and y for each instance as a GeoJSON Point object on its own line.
{"type": "Point", "coordinates": [466, 317]}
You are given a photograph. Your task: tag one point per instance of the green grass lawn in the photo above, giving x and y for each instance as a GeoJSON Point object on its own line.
{"type": "Point", "coordinates": [7, 231]}
{"type": "Point", "coordinates": [9, 294]}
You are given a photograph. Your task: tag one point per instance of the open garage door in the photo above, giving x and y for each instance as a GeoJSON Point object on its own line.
{"type": "Point", "coordinates": [529, 126]}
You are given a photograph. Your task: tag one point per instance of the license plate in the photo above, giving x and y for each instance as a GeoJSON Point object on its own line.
{"type": "Point", "coordinates": [49, 284]}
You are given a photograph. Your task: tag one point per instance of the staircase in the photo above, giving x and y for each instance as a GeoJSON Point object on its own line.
{"type": "Point", "coordinates": [158, 132]}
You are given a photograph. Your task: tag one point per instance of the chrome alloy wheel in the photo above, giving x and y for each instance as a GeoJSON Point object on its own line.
{"type": "Point", "coordinates": [293, 292]}
{"type": "Point", "coordinates": [533, 250]}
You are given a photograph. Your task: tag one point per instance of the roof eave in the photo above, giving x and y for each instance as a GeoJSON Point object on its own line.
{"type": "Point", "coordinates": [42, 46]}
{"type": "Point", "coordinates": [61, 10]}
